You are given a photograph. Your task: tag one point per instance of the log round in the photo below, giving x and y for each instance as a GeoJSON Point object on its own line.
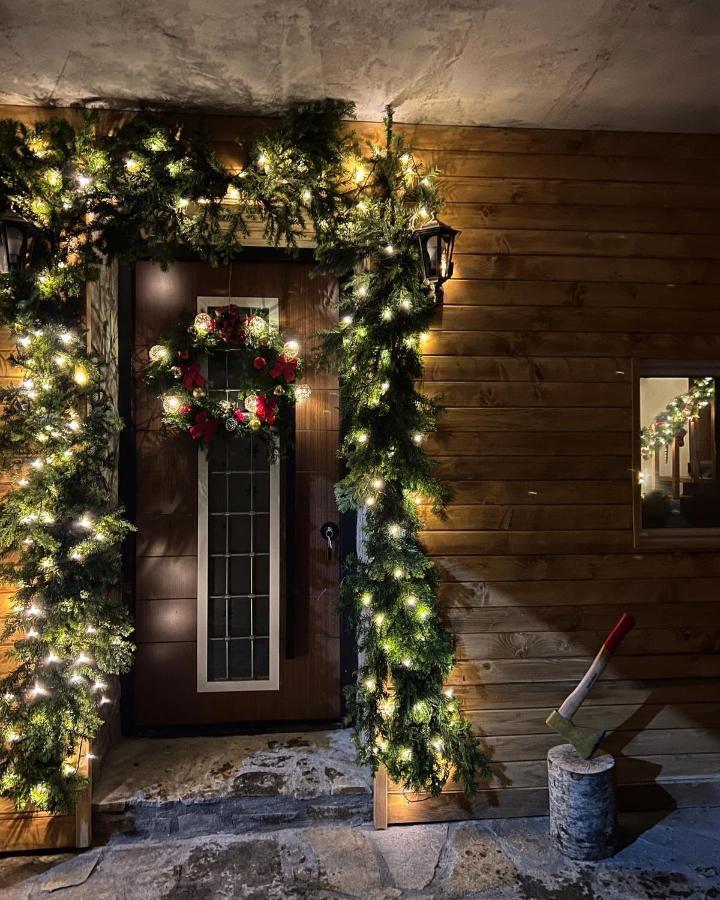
{"type": "Point", "coordinates": [583, 821]}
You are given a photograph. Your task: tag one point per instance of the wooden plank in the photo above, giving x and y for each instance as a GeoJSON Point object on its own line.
{"type": "Point", "coordinates": [460, 417]}
{"type": "Point", "coordinates": [538, 645]}
{"type": "Point", "coordinates": [579, 268]}
{"type": "Point", "coordinates": [508, 748]}
{"type": "Point", "coordinates": [518, 443]}
{"type": "Point", "coordinates": [623, 668]}
{"type": "Point", "coordinates": [522, 191]}
{"type": "Point", "coordinates": [542, 369]}
{"type": "Point", "coordinates": [571, 167]}
{"type": "Point", "coordinates": [596, 219]}
{"type": "Point", "coordinates": [571, 618]}
{"type": "Point", "coordinates": [528, 518]}
{"type": "Point", "coordinates": [578, 294]}
{"type": "Point", "coordinates": [651, 716]}
{"type": "Point", "coordinates": [572, 344]}
{"type": "Point", "coordinates": [621, 321]}
{"type": "Point", "coordinates": [541, 140]}
{"type": "Point", "coordinates": [541, 493]}
{"type": "Point", "coordinates": [639, 692]}
{"type": "Point", "coordinates": [527, 395]}
{"type": "Point", "coordinates": [519, 468]}
{"type": "Point", "coordinates": [628, 770]}
{"type": "Point", "coordinates": [543, 242]}
{"type": "Point", "coordinates": [590, 566]}
{"type": "Point", "coordinates": [497, 804]}
{"type": "Point", "coordinates": [471, 543]}
{"type": "Point", "coordinates": [582, 593]}
{"type": "Point", "coordinates": [380, 799]}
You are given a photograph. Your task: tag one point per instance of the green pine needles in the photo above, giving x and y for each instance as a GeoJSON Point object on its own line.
{"type": "Point", "coordinates": [145, 192]}
{"type": "Point", "coordinates": [405, 718]}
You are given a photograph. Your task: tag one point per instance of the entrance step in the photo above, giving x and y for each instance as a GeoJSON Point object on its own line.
{"type": "Point", "coordinates": [154, 787]}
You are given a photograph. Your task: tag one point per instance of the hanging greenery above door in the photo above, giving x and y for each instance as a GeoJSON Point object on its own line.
{"type": "Point", "coordinates": [147, 191]}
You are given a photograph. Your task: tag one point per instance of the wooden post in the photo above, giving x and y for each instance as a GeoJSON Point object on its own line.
{"type": "Point", "coordinates": [583, 822]}
{"type": "Point", "coordinates": [380, 793]}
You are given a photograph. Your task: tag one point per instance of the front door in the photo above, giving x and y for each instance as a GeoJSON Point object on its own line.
{"type": "Point", "coordinates": [235, 594]}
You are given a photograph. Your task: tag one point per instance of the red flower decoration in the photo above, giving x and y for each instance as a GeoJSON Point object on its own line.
{"type": "Point", "coordinates": [259, 362]}
{"type": "Point", "coordinates": [239, 415]}
{"type": "Point", "coordinates": [228, 324]}
{"type": "Point", "coordinates": [266, 409]}
{"type": "Point", "coordinates": [284, 368]}
{"type": "Point", "coordinates": [185, 409]}
{"type": "Point", "coordinates": [204, 427]}
{"type": "Point", "coordinates": [192, 376]}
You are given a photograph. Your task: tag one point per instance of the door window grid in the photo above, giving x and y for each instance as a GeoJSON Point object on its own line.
{"type": "Point", "coordinates": [239, 599]}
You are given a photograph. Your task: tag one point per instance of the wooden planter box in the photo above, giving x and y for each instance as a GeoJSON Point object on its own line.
{"type": "Point", "coordinates": [37, 830]}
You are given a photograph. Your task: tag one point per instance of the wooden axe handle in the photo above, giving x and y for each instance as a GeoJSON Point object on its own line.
{"type": "Point", "coordinates": [625, 623]}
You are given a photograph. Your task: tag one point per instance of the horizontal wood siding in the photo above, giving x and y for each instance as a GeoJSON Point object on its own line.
{"type": "Point", "coordinates": [579, 253]}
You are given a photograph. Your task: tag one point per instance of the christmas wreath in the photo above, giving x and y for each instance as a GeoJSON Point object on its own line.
{"type": "Point", "coordinates": [265, 366]}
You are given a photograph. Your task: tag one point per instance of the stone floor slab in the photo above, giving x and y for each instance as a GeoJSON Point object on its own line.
{"type": "Point", "coordinates": [410, 854]}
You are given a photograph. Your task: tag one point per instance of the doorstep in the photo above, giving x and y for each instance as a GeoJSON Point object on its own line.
{"type": "Point", "coordinates": [204, 785]}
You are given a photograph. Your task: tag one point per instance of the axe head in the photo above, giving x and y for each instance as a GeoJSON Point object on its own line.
{"type": "Point", "coordinates": [584, 740]}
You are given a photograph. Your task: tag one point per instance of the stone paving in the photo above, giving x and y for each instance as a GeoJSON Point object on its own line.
{"type": "Point", "coordinates": [677, 856]}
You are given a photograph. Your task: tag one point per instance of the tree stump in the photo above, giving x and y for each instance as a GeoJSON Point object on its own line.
{"type": "Point", "coordinates": [583, 821]}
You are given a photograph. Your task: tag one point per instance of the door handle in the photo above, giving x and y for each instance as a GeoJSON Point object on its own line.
{"type": "Point", "coordinates": [330, 533]}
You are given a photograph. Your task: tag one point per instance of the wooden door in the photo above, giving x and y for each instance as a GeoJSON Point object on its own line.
{"type": "Point", "coordinates": [165, 677]}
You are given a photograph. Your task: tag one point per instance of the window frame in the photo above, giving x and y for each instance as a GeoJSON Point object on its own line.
{"type": "Point", "coordinates": [666, 539]}
{"type": "Point", "coordinates": [272, 683]}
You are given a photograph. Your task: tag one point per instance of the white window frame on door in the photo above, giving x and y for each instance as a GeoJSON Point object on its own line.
{"type": "Point", "coordinates": [272, 683]}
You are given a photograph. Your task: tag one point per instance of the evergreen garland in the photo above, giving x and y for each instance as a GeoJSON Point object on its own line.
{"type": "Point", "coordinates": [404, 717]}
{"type": "Point", "coordinates": [668, 424]}
{"type": "Point", "coordinates": [147, 191]}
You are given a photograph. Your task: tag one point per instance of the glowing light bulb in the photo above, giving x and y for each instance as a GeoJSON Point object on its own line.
{"type": "Point", "coordinates": [51, 658]}
{"type": "Point", "coordinates": [389, 250]}
{"type": "Point", "coordinates": [405, 754]}
{"type": "Point", "coordinates": [449, 693]}
{"type": "Point", "coordinates": [411, 600]}
{"type": "Point", "coordinates": [66, 337]}
{"type": "Point", "coordinates": [359, 174]}
{"type": "Point", "coordinates": [24, 341]}
{"type": "Point", "coordinates": [370, 684]}
{"type": "Point", "coordinates": [362, 437]}
{"type": "Point", "coordinates": [369, 501]}
{"type": "Point", "coordinates": [394, 530]}
{"type": "Point", "coordinates": [378, 484]}
{"type": "Point", "coordinates": [85, 521]}
{"type": "Point", "coordinates": [366, 599]}
{"type": "Point", "coordinates": [306, 196]}
{"type": "Point", "coordinates": [379, 618]}
{"type": "Point", "coordinates": [38, 690]}
{"type": "Point", "coordinates": [84, 181]}
{"type": "Point", "coordinates": [132, 164]}
{"type": "Point", "coordinates": [398, 572]}
{"type": "Point", "coordinates": [347, 320]}
{"type": "Point", "coordinates": [407, 662]}
{"type": "Point", "coordinates": [182, 203]}
{"type": "Point", "coordinates": [417, 438]}
{"type": "Point", "coordinates": [387, 314]}
{"type": "Point", "coordinates": [232, 193]}
{"type": "Point", "coordinates": [80, 376]}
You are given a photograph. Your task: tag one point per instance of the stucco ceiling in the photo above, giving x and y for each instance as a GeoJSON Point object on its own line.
{"type": "Point", "coordinates": [615, 64]}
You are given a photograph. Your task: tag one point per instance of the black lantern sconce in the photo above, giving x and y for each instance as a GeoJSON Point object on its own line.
{"type": "Point", "coordinates": [14, 244]}
{"type": "Point", "coordinates": [437, 243]}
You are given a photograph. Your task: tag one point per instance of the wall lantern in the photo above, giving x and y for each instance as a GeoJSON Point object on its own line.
{"type": "Point", "coordinates": [14, 244]}
{"type": "Point", "coordinates": [437, 242]}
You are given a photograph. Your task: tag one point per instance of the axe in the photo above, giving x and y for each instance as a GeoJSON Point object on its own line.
{"type": "Point", "coordinates": [585, 740]}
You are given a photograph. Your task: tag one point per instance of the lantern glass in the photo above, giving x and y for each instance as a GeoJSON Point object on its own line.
{"type": "Point", "coordinates": [13, 242]}
{"type": "Point", "coordinates": [437, 243]}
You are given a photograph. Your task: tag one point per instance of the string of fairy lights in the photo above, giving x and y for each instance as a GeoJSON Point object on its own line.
{"type": "Point", "coordinates": [145, 191]}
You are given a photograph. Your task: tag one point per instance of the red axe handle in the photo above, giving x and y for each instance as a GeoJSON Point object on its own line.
{"type": "Point", "coordinates": [625, 623]}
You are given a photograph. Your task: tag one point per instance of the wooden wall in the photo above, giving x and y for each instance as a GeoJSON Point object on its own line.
{"type": "Point", "coordinates": [580, 254]}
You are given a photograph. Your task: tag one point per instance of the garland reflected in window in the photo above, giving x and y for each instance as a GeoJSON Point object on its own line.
{"type": "Point", "coordinates": [679, 487]}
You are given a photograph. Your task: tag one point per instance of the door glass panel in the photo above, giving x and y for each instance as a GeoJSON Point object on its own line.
{"type": "Point", "coordinates": [239, 506]}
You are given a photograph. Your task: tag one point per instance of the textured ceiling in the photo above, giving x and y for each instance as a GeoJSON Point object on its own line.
{"type": "Point", "coordinates": [608, 64]}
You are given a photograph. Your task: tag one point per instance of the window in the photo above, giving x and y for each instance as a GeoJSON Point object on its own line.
{"type": "Point", "coordinates": [238, 547]}
{"type": "Point", "coordinates": [679, 488]}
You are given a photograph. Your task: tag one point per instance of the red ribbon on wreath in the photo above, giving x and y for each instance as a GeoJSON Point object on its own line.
{"type": "Point", "coordinates": [204, 427]}
{"type": "Point", "coordinates": [192, 376]}
{"type": "Point", "coordinates": [266, 409]}
{"type": "Point", "coordinates": [284, 368]}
